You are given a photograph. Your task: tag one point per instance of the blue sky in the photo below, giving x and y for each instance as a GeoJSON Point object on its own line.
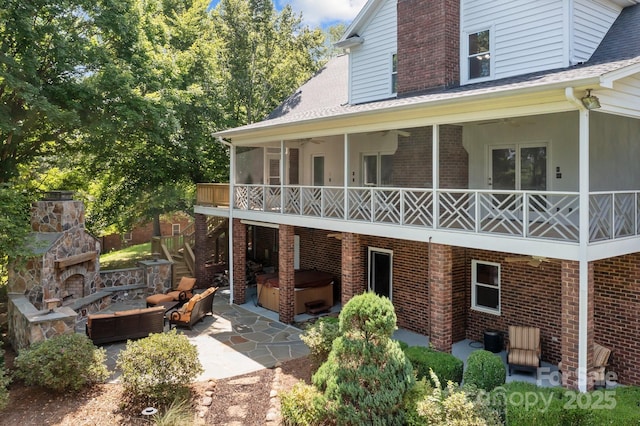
{"type": "Point", "coordinates": [322, 12]}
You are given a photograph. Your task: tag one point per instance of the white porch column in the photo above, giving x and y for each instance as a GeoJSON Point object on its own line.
{"type": "Point", "coordinates": [232, 181]}
{"type": "Point", "coordinates": [435, 173]}
{"type": "Point", "coordinates": [583, 314]}
{"type": "Point", "coordinates": [347, 176]}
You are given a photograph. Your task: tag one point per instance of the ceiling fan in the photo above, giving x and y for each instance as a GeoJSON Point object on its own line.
{"type": "Point", "coordinates": [535, 261]}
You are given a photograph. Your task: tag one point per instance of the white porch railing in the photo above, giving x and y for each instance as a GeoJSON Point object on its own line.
{"type": "Point", "coordinates": [526, 214]}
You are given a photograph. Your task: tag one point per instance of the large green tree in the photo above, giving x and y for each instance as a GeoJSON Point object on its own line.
{"type": "Point", "coordinates": [265, 56]}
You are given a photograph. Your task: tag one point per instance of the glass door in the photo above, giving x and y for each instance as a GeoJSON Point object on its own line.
{"type": "Point", "coordinates": [318, 170]}
{"type": "Point", "coordinates": [380, 271]}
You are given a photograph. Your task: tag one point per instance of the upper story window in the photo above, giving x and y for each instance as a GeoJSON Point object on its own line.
{"type": "Point", "coordinates": [394, 73]}
{"type": "Point", "coordinates": [479, 55]}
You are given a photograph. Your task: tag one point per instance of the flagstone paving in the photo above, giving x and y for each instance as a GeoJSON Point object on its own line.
{"type": "Point", "coordinates": [232, 341]}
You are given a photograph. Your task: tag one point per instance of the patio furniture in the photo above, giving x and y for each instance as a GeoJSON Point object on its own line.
{"type": "Point", "coordinates": [124, 325]}
{"type": "Point", "coordinates": [182, 293]}
{"type": "Point", "coordinates": [523, 350]}
{"type": "Point", "coordinates": [601, 356]}
{"type": "Point", "coordinates": [194, 310]}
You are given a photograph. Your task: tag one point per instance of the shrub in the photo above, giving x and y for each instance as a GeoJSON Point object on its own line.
{"type": "Point", "coordinates": [4, 392]}
{"type": "Point", "coordinates": [62, 363]}
{"type": "Point", "coordinates": [453, 406]}
{"type": "Point", "coordinates": [159, 368]}
{"type": "Point", "coordinates": [367, 375]}
{"type": "Point", "coordinates": [303, 405]}
{"type": "Point", "coordinates": [445, 366]}
{"type": "Point", "coordinates": [369, 317]}
{"type": "Point", "coordinates": [319, 337]}
{"type": "Point", "coordinates": [365, 383]}
{"type": "Point", "coordinates": [485, 370]}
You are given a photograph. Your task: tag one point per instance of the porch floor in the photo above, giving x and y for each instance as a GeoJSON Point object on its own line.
{"type": "Point", "coordinates": [547, 376]}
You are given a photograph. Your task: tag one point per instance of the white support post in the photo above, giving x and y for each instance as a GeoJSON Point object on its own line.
{"type": "Point", "coordinates": [583, 315]}
{"type": "Point", "coordinates": [232, 199]}
{"type": "Point", "coordinates": [435, 174]}
{"type": "Point", "coordinates": [282, 175]}
{"type": "Point", "coordinates": [346, 177]}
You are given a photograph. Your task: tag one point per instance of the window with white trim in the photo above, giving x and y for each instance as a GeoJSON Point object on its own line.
{"type": "Point", "coordinates": [377, 169]}
{"type": "Point", "coordinates": [479, 55]}
{"type": "Point", "coordinates": [175, 229]}
{"type": "Point", "coordinates": [485, 286]}
{"type": "Point", "coordinates": [394, 73]}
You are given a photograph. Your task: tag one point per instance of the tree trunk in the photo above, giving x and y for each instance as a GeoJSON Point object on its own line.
{"type": "Point", "coordinates": [156, 225]}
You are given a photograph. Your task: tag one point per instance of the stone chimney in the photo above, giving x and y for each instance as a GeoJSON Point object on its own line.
{"type": "Point", "coordinates": [428, 45]}
{"type": "Point", "coordinates": [57, 212]}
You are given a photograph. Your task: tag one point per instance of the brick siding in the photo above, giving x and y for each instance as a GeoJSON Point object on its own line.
{"type": "Point", "coordinates": [529, 296]}
{"type": "Point", "coordinates": [428, 45]}
{"type": "Point", "coordinates": [317, 251]}
{"type": "Point", "coordinates": [617, 314]}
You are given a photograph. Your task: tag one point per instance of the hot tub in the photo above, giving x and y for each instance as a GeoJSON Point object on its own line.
{"type": "Point", "coordinates": [310, 285]}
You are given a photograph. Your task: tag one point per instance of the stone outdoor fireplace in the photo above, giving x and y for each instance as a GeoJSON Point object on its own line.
{"type": "Point", "coordinates": [65, 265]}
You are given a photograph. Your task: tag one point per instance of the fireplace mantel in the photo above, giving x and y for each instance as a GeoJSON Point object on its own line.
{"type": "Point", "coordinates": [74, 260]}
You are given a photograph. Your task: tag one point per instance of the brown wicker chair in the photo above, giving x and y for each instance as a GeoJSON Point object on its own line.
{"type": "Point", "coordinates": [523, 350]}
{"type": "Point", "coordinates": [194, 310]}
{"type": "Point", "coordinates": [181, 294]}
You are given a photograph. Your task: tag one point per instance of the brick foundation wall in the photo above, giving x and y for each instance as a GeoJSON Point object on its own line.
{"type": "Point", "coordinates": [530, 296]}
{"type": "Point", "coordinates": [200, 249]}
{"type": "Point", "coordinates": [617, 314]}
{"type": "Point", "coordinates": [428, 45]}
{"type": "Point", "coordinates": [239, 261]}
{"type": "Point", "coordinates": [440, 296]}
{"type": "Point", "coordinates": [317, 251]}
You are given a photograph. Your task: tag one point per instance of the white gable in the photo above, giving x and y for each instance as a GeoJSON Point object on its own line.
{"type": "Point", "coordinates": [370, 62]}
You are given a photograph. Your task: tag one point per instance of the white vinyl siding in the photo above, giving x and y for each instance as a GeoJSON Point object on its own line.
{"type": "Point", "coordinates": [370, 65]}
{"type": "Point", "coordinates": [592, 20]}
{"type": "Point", "coordinates": [527, 36]}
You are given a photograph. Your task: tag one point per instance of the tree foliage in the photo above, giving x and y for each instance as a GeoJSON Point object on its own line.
{"type": "Point", "coordinates": [122, 97]}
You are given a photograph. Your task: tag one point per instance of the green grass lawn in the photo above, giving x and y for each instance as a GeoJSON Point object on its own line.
{"type": "Point", "coordinates": [125, 258]}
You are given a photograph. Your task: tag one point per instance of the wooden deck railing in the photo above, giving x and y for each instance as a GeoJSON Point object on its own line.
{"type": "Point", "coordinates": [212, 194]}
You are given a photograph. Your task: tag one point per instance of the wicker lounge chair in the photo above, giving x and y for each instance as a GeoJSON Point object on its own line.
{"type": "Point", "coordinates": [181, 294]}
{"type": "Point", "coordinates": [194, 310]}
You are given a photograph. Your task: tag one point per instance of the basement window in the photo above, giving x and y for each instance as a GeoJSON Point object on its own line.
{"type": "Point", "coordinates": [485, 286]}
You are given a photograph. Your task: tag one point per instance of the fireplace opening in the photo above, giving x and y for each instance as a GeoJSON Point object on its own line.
{"type": "Point", "coordinates": [72, 288]}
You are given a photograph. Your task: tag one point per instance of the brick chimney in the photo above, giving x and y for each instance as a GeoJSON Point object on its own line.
{"type": "Point", "coordinates": [428, 45]}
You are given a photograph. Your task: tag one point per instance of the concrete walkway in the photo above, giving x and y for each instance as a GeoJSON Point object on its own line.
{"type": "Point", "coordinates": [231, 342]}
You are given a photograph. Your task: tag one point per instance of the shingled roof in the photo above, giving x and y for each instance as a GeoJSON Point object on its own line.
{"type": "Point", "coordinates": [326, 94]}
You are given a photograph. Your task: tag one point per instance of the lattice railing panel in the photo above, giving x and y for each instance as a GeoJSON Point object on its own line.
{"type": "Point", "coordinates": [600, 217]}
{"type": "Point", "coordinates": [333, 202]}
{"type": "Point", "coordinates": [386, 206]}
{"type": "Point", "coordinates": [273, 199]}
{"type": "Point", "coordinates": [418, 208]}
{"type": "Point", "coordinates": [311, 201]}
{"type": "Point", "coordinates": [501, 213]}
{"type": "Point", "coordinates": [292, 200]}
{"type": "Point", "coordinates": [624, 214]}
{"type": "Point", "coordinates": [457, 210]}
{"type": "Point", "coordinates": [359, 204]}
{"type": "Point", "coordinates": [241, 197]}
{"type": "Point", "coordinates": [553, 216]}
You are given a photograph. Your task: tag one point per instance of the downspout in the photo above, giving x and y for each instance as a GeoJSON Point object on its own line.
{"type": "Point", "coordinates": [583, 173]}
{"type": "Point", "coordinates": [232, 158]}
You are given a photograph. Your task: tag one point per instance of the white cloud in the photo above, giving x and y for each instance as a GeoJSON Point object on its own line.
{"type": "Point", "coordinates": [321, 12]}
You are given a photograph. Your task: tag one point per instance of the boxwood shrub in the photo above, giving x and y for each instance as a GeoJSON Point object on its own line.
{"type": "Point", "coordinates": [446, 366]}
{"type": "Point", "coordinates": [485, 370]}
{"type": "Point", "coordinates": [66, 362]}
